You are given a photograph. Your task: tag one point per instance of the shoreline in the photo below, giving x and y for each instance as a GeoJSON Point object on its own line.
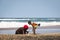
{"type": "Point", "coordinates": [41, 27]}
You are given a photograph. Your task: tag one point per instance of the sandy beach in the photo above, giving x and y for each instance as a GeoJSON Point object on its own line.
{"type": "Point", "coordinates": [39, 30]}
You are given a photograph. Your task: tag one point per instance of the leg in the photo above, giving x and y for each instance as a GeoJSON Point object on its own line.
{"type": "Point", "coordinates": [34, 30]}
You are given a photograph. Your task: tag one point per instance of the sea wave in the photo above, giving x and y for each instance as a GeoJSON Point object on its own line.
{"type": "Point", "coordinates": [21, 24]}
{"type": "Point", "coordinates": [32, 19]}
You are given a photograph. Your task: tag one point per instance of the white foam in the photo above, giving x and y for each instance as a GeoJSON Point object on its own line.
{"type": "Point", "coordinates": [44, 24]}
{"type": "Point", "coordinates": [21, 24]}
{"type": "Point", "coordinates": [11, 24]}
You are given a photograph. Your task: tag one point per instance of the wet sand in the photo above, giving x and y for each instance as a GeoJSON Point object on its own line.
{"type": "Point", "coordinates": [41, 27]}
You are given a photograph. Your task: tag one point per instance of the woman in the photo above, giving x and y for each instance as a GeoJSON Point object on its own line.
{"type": "Point", "coordinates": [34, 25]}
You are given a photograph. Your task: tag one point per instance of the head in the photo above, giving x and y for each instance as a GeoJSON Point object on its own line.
{"type": "Point", "coordinates": [29, 22]}
{"type": "Point", "coordinates": [25, 27]}
{"type": "Point", "coordinates": [38, 24]}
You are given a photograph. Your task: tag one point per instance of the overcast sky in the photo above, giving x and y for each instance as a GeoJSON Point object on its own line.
{"type": "Point", "coordinates": [30, 8]}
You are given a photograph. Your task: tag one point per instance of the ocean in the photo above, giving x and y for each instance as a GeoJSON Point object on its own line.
{"type": "Point", "coordinates": [48, 25]}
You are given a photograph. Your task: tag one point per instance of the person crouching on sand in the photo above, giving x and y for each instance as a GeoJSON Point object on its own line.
{"type": "Point", "coordinates": [22, 30]}
{"type": "Point", "coordinates": [34, 25]}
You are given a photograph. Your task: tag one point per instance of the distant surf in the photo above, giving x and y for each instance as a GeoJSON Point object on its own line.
{"type": "Point", "coordinates": [19, 22]}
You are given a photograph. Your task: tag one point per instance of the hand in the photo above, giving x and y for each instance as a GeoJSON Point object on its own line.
{"type": "Point", "coordinates": [27, 32]}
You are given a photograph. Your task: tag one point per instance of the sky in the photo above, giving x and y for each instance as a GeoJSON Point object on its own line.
{"type": "Point", "coordinates": [30, 8]}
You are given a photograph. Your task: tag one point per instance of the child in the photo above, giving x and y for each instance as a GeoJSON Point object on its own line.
{"type": "Point", "coordinates": [34, 25]}
{"type": "Point", "coordinates": [22, 30]}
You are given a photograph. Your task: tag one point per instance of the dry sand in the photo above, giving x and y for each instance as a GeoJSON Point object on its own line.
{"type": "Point", "coordinates": [49, 36]}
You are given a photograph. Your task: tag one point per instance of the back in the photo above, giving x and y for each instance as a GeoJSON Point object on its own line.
{"type": "Point", "coordinates": [19, 30]}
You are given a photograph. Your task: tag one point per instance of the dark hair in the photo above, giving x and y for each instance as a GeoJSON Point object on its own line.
{"type": "Point", "coordinates": [29, 22]}
{"type": "Point", "coordinates": [38, 24]}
